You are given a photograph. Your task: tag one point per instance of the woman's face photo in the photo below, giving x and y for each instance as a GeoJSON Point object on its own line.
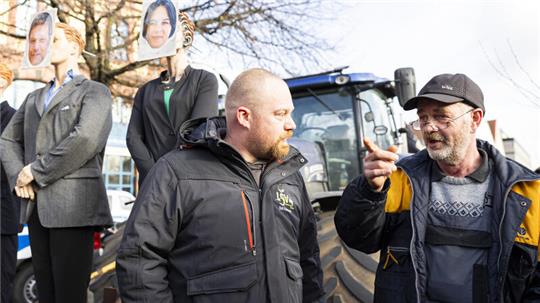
{"type": "Point", "coordinates": [158, 27]}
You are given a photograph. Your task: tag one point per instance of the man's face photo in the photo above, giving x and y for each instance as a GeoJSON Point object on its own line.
{"type": "Point", "coordinates": [39, 39]}
{"type": "Point", "coordinates": [39, 43]}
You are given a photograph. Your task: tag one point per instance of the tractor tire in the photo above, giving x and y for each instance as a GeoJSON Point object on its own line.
{"type": "Point", "coordinates": [349, 275]}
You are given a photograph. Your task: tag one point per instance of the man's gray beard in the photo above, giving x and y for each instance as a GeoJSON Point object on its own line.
{"type": "Point", "coordinates": [452, 154]}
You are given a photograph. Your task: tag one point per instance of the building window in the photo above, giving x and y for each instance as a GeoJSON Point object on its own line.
{"type": "Point", "coordinates": [119, 173]}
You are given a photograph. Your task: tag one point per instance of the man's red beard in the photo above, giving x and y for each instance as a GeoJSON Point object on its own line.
{"type": "Point", "coordinates": [278, 149]}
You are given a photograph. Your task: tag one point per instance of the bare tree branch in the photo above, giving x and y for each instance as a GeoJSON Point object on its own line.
{"type": "Point", "coordinates": [500, 69]}
{"type": "Point", "coordinates": [276, 34]}
{"type": "Point", "coordinates": [516, 59]}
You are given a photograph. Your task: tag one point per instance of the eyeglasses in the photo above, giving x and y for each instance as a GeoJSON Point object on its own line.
{"type": "Point", "coordinates": [439, 122]}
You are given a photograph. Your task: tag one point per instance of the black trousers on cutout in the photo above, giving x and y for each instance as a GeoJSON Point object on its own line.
{"type": "Point", "coordinates": [9, 263]}
{"type": "Point", "coordinates": [62, 260]}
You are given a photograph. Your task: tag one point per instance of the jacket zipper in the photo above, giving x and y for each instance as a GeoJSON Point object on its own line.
{"type": "Point", "coordinates": [251, 235]}
{"type": "Point", "coordinates": [412, 251]}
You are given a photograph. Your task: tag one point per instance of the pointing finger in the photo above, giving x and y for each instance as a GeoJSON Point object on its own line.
{"type": "Point", "coordinates": [392, 149]}
{"type": "Point", "coordinates": [371, 147]}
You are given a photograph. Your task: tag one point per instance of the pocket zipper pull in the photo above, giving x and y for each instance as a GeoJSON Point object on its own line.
{"type": "Point", "coordinates": [388, 256]}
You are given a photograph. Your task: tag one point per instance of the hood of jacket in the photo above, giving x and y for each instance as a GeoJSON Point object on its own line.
{"type": "Point", "coordinates": [210, 133]}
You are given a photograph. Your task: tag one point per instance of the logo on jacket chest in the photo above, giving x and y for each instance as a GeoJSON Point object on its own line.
{"type": "Point", "coordinates": [285, 202]}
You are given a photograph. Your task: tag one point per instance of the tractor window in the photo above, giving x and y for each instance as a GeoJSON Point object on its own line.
{"type": "Point", "coordinates": [375, 121]}
{"type": "Point", "coordinates": [331, 127]}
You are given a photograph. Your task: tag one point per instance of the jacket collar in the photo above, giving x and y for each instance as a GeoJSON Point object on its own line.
{"type": "Point", "coordinates": [70, 75]}
{"type": "Point", "coordinates": [69, 87]}
{"type": "Point", "coordinates": [164, 77]}
{"type": "Point", "coordinates": [479, 175]}
{"type": "Point", "coordinates": [209, 133]}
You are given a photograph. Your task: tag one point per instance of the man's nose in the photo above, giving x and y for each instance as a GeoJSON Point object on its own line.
{"type": "Point", "coordinates": [430, 127]}
{"type": "Point", "coordinates": [289, 124]}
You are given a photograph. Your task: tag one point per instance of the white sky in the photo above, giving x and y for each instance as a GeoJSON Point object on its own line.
{"type": "Point", "coordinates": [452, 37]}
{"type": "Point", "coordinates": [437, 37]}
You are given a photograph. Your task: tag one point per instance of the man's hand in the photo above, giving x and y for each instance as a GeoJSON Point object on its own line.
{"type": "Point", "coordinates": [25, 192]}
{"type": "Point", "coordinates": [378, 164]}
{"type": "Point", "coordinates": [25, 176]}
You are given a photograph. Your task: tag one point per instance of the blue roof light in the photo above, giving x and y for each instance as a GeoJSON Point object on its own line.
{"type": "Point", "coordinates": [330, 80]}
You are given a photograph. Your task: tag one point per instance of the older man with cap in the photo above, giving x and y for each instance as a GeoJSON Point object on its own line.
{"type": "Point", "coordinates": [456, 222]}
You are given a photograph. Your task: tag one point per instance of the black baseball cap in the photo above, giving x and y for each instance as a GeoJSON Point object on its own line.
{"type": "Point", "coordinates": [449, 88]}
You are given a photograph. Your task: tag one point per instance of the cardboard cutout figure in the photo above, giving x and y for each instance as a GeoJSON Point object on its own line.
{"type": "Point", "coordinates": [158, 29]}
{"type": "Point", "coordinates": [52, 153]}
{"type": "Point", "coordinates": [163, 104]}
{"type": "Point", "coordinates": [39, 40]}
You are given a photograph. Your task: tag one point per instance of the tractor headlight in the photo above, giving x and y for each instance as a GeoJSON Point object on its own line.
{"type": "Point", "coordinates": [342, 79]}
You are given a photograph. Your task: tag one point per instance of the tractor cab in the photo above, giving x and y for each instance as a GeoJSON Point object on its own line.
{"type": "Point", "coordinates": [333, 112]}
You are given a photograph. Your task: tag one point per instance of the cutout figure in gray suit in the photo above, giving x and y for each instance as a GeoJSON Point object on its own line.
{"type": "Point", "coordinates": [52, 152]}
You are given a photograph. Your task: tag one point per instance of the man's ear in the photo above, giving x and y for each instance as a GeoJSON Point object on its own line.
{"type": "Point", "coordinates": [477, 116]}
{"type": "Point", "coordinates": [244, 116]}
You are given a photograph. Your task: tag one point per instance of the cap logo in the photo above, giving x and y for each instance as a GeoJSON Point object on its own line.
{"type": "Point", "coordinates": [446, 86]}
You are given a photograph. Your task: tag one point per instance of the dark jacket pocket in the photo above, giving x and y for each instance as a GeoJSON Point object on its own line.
{"type": "Point", "coordinates": [294, 270]}
{"type": "Point", "coordinates": [233, 279]}
{"type": "Point", "coordinates": [395, 259]}
{"type": "Point", "coordinates": [520, 274]}
{"type": "Point", "coordinates": [394, 281]}
{"type": "Point", "coordinates": [294, 285]}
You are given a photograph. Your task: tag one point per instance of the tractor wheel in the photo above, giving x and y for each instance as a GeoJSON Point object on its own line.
{"type": "Point", "coordinates": [349, 275]}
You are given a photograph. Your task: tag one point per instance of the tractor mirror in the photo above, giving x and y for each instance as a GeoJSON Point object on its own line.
{"type": "Point", "coordinates": [405, 84]}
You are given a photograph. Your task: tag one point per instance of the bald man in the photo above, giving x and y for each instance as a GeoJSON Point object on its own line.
{"type": "Point", "coordinates": [226, 217]}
